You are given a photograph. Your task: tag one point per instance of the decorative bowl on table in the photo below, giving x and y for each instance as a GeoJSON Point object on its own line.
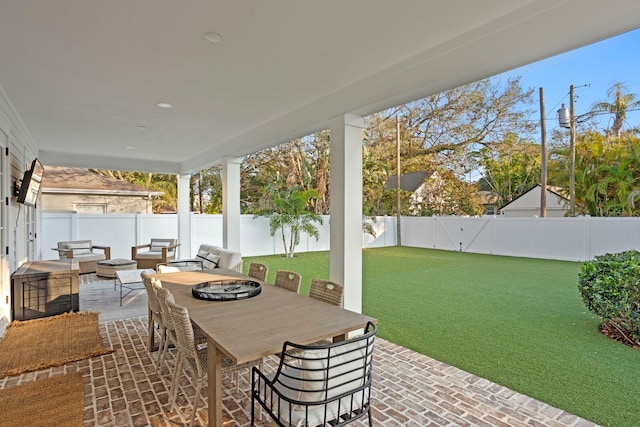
{"type": "Point", "coordinates": [226, 290]}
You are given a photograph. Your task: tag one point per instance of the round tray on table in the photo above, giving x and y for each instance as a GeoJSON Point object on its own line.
{"type": "Point", "coordinates": [226, 290]}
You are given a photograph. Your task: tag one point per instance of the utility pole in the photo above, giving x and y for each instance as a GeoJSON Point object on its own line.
{"type": "Point", "coordinates": [398, 234]}
{"type": "Point", "coordinates": [570, 123]}
{"type": "Point", "coordinates": [543, 166]}
{"type": "Point", "coordinates": [572, 155]}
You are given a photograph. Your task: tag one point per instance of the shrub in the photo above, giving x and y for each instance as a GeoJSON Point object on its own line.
{"type": "Point", "coordinates": [610, 287]}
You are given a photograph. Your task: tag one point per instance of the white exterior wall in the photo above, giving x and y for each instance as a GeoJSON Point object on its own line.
{"type": "Point", "coordinates": [55, 202]}
{"type": "Point", "coordinates": [19, 224]}
{"type": "Point", "coordinates": [528, 205]}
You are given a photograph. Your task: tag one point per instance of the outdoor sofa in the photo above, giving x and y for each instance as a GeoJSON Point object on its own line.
{"type": "Point", "coordinates": [209, 257]}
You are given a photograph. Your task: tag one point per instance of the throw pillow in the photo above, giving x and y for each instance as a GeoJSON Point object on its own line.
{"type": "Point", "coordinates": [210, 261]}
{"type": "Point", "coordinates": [202, 254]}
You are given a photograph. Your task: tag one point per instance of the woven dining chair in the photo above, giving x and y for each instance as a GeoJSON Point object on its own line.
{"type": "Point", "coordinates": [258, 271]}
{"type": "Point", "coordinates": [155, 314]}
{"type": "Point", "coordinates": [289, 280]}
{"type": "Point", "coordinates": [327, 291]}
{"type": "Point", "coordinates": [195, 355]}
{"type": "Point", "coordinates": [163, 296]}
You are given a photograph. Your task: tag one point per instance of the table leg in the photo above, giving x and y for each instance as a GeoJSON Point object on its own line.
{"type": "Point", "coordinates": [214, 362]}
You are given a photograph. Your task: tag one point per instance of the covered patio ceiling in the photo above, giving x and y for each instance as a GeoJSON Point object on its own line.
{"type": "Point", "coordinates": [85, 76]}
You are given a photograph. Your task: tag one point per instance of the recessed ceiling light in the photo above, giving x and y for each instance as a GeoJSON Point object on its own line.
{"type": "Point", "coordinates": [164, 105]}
{"type": "Point", "coordinates": [130, 148]}
{"type": "Point", "coordinates": [213, 37]}
{"type": "Point", "coordinates": [141, 127]}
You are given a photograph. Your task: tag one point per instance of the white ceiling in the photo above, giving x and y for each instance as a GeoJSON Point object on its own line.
{"type": "Point", "coordinates": [84, 74]}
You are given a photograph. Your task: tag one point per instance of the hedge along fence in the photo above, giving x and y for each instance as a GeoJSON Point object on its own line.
{"type": "Point", "coordinates": [610, 287]}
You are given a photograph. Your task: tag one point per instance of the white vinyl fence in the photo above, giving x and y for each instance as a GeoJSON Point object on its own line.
{"type": "Point", "coordinates": [573, 239]}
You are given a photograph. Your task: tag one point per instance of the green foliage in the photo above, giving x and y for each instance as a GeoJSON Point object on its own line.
{"type": "Point", "coordinates": [445, 194]}
{"type": "Point", "coordinates": [511, 167]}
{"type": "Point", "coordinates": [607, 173]}
{"type": "Point", "coordinates": [167, 183]}
{"type": "Point", "coordinates": [610, 287]}
{"type": "Point", "coordinates": [289, 211]}
{"type": "Point", "coordinates": [620, 100]}
{"type": "Point", "coordinates": [206, 191]}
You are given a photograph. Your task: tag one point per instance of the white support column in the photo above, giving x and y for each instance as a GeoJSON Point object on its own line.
{"type": "Point", "coordinates": [345, 256]}
{"type": "Point", "coordinates": [184, 216]}
{"type": "Point", "coordinates": [231, 204]}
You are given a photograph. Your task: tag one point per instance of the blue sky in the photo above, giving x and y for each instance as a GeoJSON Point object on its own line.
{"type": "Point", "coordinates": [599, 65]}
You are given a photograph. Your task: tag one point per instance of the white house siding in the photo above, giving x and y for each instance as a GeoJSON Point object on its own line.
{"type": "Point", "coordinates": [14, 218]}
{"type": "Point", "coordinates": [528, 205]}
{"type": "Point", "coordinates": [108, 204]}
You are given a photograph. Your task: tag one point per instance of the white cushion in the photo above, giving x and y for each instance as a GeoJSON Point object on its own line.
{"type": "Point", "coordinates": [184, 265]}
{"type": "Point", "coordinates": [202, 253]}
{"type": "Point", "coordinates": [157, 246]}
{"type": "Point", "coordinates": [149, 255]}
{"type": "Point", "coordinates": [79, 248]}
{"type": "Point", "coordinates": [229, 259]}
{"type": "Point", "coordinates": [167, 269]}
{"type": "Point", "coordinates": [210, 261]}
{"type": "Point", "coordinates": [345, 372]}
{"type": "Point", "coordinates": [314, 414]}
{"type": "Point", "coordinates": [89, 257]}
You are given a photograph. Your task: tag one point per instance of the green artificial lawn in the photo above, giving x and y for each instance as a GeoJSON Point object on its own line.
{"type": "Point", "coordinates": [519, 322]}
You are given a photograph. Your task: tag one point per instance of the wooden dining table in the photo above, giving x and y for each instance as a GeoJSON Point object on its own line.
{"type": "Point", "coordinates": [252, 328]}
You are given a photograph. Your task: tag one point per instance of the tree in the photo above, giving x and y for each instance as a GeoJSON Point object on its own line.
{"type": "Point", "coordinates": [510, 168]}
{"type": "Point", "coordinates": [289, 212]}
{"type": "Point", "coordinates": [303, 162]}
{"type": "Point", "coordinates": [206, 191]}
{"type": "Point", "coordinates": [607, 173]}
{"type": "Point", "coordinates": [620, 101]}
{"type": "Point", "coordinates": [167, 183]}
{"type": "Point", "coordinates": [445, 194]}
{"type": "Point", "coordinates": [374, 178]}
{"type": "Point", "coordinates": [442, 131]}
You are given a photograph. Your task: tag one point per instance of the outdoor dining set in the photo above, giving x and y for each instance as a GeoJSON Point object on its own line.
{"type": "Point", "coordinates": [323, 376]}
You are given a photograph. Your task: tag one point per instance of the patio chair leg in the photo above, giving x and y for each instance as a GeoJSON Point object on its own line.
{"type": "Point", "coordinates": [174, 381]}
{"type": "Point", "coordinates": [163, 338]}
{"type": "Point", "coordinates": [163, 352]}
{"type": "Point", "coordinates": [150, 333]}
{"type": "Point", "coordinates": [195, 402]}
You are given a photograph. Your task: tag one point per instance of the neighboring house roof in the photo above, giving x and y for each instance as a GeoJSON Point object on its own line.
{"type": "Point", "coordinates": [558, 191]}
{"type": "Point", "coordinates": [408, 181]}
{"type": "Point", "coordinates": [60, 179]}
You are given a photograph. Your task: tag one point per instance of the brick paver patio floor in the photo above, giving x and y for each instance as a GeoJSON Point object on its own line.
{"type": "Point", "coordinates": [409, 389]}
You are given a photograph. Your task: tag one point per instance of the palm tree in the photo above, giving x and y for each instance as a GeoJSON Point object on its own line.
{"type": "Point", "coordinates": [621, 101]}
{"type": "Point", "coordinates": [289, 211]}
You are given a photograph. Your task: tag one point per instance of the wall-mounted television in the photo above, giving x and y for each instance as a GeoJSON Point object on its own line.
{"type": "Point", "coordinates": [30, 186]}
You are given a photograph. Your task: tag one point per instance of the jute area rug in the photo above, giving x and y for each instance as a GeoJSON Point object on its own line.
{"type": "Point", "coordinates": [37, 344]}
{"type": "Point", "coordinates": [56, 401]}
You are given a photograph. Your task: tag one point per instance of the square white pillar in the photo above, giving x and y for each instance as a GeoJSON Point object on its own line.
{"type": "Point", "coordinates": [184, 216]}
{"type": "Point", "coordinates": [231, 204]}
{"type": "Point", "coordinates": [345, 256]}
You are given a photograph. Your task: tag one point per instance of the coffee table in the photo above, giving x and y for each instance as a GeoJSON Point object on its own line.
{"type": "Point", "coordinates": [130, 280]}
